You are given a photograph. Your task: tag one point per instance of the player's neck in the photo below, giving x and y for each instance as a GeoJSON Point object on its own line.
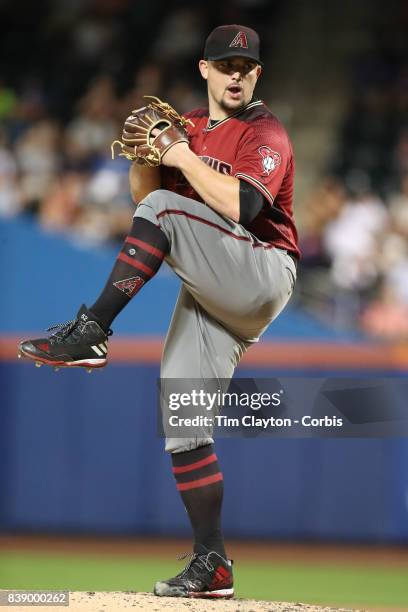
{"type": "Point", "coordinates": [217, 112]}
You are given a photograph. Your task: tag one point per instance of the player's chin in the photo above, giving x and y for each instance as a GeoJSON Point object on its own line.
{"type": "Point", "coordinates": [233, 105]}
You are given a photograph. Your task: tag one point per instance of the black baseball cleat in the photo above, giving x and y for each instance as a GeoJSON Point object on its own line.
{"type": "Point", "coordinates": [78, 343]}
{"type": "Point", "coordinates": [206, 575]}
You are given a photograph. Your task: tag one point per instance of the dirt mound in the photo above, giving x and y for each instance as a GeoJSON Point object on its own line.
{"type": "Point", "coordinates": [113, 601]}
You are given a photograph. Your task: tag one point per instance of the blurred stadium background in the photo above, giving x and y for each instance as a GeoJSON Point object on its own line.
{"type": "Point", "coordinates": [84, 483]}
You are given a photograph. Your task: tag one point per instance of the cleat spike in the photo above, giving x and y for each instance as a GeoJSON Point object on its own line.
{"type": "Point", "coordinates": [89, 370]}
{"type": "Point", "coordinates": [56, 369]}
{"type": "Point", "coordinates": [19, 355]}
{"type": "Point", "coordinates": [38, 364]}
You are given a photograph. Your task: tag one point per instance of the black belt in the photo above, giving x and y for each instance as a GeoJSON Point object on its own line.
{"type": "Point", "coordinates": [293, 258]}
{"type": "Point", "coordinates": [291, 255]}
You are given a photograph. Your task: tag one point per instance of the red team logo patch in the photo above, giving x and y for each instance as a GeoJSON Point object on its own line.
{"type": "Point", "coordinates": [129, 285]}
{"type": "Point", "coordinates": [240, 40]}
{"type": "Point", "coordinates": [270, 159]}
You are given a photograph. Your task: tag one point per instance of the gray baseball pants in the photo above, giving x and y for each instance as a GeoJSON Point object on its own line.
{"type": "Point", "coordinates": [233, 286]}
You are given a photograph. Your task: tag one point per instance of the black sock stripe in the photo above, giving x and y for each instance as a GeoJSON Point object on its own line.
{"type": "Point", "coordinates": [150, 232]}
{"type": "Point", "coordinates": [207, 470]}
{"type": "Point", "coordinates": [188, 457]}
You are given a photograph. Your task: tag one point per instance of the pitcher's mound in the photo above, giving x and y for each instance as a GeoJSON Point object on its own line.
{"type": "Point", "coordinates": [113, 601]}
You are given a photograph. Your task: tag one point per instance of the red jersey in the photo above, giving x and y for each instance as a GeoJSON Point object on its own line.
{"type": "Point", "coordinates": [253, 146]}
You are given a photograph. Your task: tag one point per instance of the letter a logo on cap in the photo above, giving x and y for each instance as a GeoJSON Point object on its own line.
{"type": "Point", "coordinates": [240, 40]}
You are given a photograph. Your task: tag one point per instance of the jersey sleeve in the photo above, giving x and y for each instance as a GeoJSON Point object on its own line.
{"type": "Point", "coordinates": [263, 158]}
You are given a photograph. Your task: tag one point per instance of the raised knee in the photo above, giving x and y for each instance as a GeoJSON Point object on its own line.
{"type": "Point", "coordinates": [158, 199]}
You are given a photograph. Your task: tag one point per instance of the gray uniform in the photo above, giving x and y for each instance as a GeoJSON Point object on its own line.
{"type": "Point", "coordinates": [233, 286]}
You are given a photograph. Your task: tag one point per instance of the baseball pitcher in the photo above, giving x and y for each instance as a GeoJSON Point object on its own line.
{"type": "Point", "coordinates": [214, 192]}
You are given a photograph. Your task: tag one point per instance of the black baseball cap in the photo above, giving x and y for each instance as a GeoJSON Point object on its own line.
{"type": "Point", "coordinates": [232, 41]}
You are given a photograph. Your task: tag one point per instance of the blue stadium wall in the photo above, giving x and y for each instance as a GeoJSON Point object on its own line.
{"type": "Point", "coordinates": [80, 453]}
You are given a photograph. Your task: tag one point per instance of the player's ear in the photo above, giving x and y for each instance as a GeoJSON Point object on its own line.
{"type": "Point", "coordinates": [203, 66]}
{"type": "Point", "coordinates": [258, 71]}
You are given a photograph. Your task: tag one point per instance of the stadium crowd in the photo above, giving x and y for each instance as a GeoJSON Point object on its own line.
{"type": "Point", "coordinates": [355, 243]}
{"type": "Point", "coordinates": [59, 117]}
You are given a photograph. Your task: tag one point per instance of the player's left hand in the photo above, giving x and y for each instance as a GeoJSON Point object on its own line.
{"type": "Point", "coordinates": [173, 156]}
{"type": "Point", "coordinates": [150, 132]}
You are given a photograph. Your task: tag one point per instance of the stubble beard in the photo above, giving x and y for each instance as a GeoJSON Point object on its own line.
{"type": "Point", "coordinates": [229, 107]}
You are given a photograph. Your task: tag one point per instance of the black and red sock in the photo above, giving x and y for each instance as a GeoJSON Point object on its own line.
{"type": "Point", "coordinates": [139, 259]}
{"type": "Point", "coordinates": [200, 483]}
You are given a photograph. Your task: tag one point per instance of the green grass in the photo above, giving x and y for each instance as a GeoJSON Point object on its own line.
{"type": "Point", "coordinates": [329, 585]}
